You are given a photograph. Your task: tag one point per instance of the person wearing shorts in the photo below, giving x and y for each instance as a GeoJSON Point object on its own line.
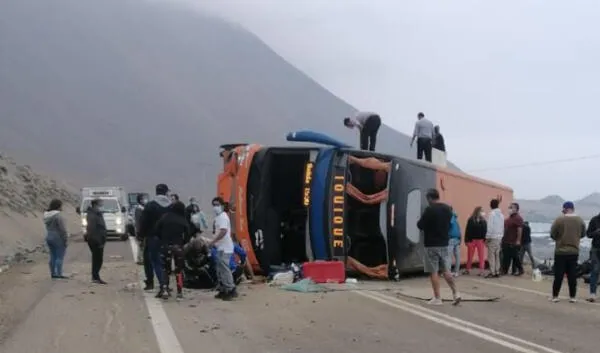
{"type": "Point", "coordinates": [435, 224]}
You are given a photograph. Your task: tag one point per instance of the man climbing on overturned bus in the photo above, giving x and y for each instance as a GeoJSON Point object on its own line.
{"type": "Point", "coordinates": [368, 123]}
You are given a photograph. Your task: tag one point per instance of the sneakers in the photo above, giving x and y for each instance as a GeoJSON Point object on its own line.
{"type": "Point", "coordinates": [149, 286]}
{"type": "Point", "coordinates": [592, 298]}
{"type": "Point", "coordinates": [556, 300]}
{"type": "Point", "coordinates": [98, 281]}
{"type": "Point", "coordinates": [179, 296]}
{"type": "Point", "coordinates": [162, 294]}
{"type": "Point", "coordinates": [435, 301]}
{"type": "Point", "coordinates": [457, 299]}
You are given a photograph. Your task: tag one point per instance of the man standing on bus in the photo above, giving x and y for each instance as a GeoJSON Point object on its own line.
{"type": "Point", "coordinates": [368, 123]}
{"type": "Point", "coordinates": [424, 135]}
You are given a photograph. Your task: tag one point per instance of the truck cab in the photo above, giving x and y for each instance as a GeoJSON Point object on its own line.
{"type": "Point", "coordinates": [114, 209]}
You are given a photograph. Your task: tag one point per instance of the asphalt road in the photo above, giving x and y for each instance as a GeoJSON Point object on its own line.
{"type": "Point", "coordinates": [71, 316]}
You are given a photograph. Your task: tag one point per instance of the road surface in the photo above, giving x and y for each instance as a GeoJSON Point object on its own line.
{"type": "Point", "coordinates": [72, 316]}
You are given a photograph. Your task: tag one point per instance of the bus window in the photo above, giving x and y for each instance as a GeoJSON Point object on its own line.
{"type": "Point", "coordinates": [413, 213]}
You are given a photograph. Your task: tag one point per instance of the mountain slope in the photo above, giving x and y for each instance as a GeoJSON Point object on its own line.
{"type": "Point", "coordinates": [133, 93]}
{"type": "Point", "coordinates": [548, 208]}
{"type": "Point", "coordinates": [24, 195]}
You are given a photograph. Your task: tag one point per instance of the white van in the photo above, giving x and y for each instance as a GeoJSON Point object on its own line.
{"type": "Point", "coordinates": [114, 209]}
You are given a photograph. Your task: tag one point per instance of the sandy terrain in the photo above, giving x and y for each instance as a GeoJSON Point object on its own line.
{"type": "Point", "coordinates": [41, 315]}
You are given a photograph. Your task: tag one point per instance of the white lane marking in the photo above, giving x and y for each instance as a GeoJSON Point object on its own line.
{"type": "Point", "coordinates": [525, 290]}
{"type": "Point", "coordinates": [165, 335]}
{"type": "Point", "coordinates": [532, 291]}
{"type": "Point", "coordinates": [485, 333]}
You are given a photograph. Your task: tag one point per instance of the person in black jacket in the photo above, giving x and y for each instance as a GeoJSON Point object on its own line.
{"type": "Point", "coordinates": [475, 239]}
{"type": "Point", "coordinates": [593, 232]}
{"type": "Point", "coordinates": [152, 212]}
{"type": "Point", "coordinates": [526, 245]}
{"type": "Point", "coordinates": [172, 231]}
{"type": "Point", "coordinates": [95, 236]}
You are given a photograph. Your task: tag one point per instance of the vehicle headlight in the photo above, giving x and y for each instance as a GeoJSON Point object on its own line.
{"type": "Point", "coordinates": [84, 222]}
{"type": "Point", "coordinates": [118, 220]}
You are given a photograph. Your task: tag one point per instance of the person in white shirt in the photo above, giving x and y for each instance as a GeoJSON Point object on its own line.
{"type": "Point", "coordinates": [224, 244]}
{"type": "Point", "coordinates": [495, 232]}
{"type": "Point", "coordinates": [368, 123]}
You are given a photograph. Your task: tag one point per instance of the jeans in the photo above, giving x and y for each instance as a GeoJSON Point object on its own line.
{"type": "Point", "coordinates": [595, 258]}
{"type": "Point", "coordinates": [152, 261]}
{"type": "Point", "coordinates": [454, 250]}
{"type": "Point", "coordinates": [476, 245]}
{"type": "Point", "coordinates": [57, 248]}
{"type": "Point", "coordinates": [510, 256]}
{"type": "Point", "coordinates": [97, 251]}
{"type": "Point", "coordinates": [224, 274]}
{"type": "Point", "coordinates": [565, 263]}
{"type": "Point", "coordinates": [526, 249]}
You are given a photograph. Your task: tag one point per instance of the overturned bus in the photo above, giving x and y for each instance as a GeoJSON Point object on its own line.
{"type": "Point", "coordinates": [332, 202]}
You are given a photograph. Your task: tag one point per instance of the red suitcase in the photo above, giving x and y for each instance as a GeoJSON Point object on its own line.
{"type": "Point", "coordinates": [325, 271]}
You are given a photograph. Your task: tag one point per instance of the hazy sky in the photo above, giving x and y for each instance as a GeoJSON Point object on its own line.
{"type": "Point", "coordinates": [510, 82]}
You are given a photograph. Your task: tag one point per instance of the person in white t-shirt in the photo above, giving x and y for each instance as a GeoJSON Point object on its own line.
{"type": "Point", "coordinates": [224, 244]}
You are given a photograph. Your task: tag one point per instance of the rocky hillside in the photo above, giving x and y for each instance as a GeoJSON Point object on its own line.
{"type": "Point", "coordinates": [547, 208]}
{"type": "Point", "coordinates": [24, 195]}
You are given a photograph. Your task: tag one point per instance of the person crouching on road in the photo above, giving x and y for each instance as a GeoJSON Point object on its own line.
{"type": "Point", "coordinates": [435, 224]}
{"type": "Point", "coordinates": [172, 231]}
{"type": "Point", "coordinates": [224, 244]}
{"type": "Point", "coordinates": [567, 231]}
{"type": "Point", "coordinates": [137, 216]}
{"type": "Point", "coordinates": [95, 236]}
{"type": "Point", "coordinates": [56, 238]}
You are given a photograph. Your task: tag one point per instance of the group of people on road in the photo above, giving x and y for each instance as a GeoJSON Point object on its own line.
{"type": "Point", "coordinates": [427, 136]}
{"type": "Point", "coordinates": [57, 238]}
{"type": "Point", "coordinates": [507, 239]}
{"type": "Point", "coordinates": [165, 225]}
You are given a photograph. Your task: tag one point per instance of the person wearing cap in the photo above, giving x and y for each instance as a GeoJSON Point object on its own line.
{"type": "Point", "coordinates": [368, 124]}
{"type": "Point", "coordinates": [567, 231]}
{"type": "Point", "coordinates": [424, 135]}
{"type": "Point", "coordinates": [152, 212]}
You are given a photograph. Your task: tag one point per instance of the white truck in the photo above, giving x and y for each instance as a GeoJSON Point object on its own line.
{"type": "Point", "coordinates": [114, 208]}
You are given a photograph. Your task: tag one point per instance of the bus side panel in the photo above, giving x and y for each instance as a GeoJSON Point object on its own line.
{"type": "Point", "coordinates": [239, 191]}
{"type": "Point", "coordinates": [408, 185]}
{"type": "Point", "coordinates": [319, 189]}
{"type": "Point", "coordinates": [464, 193]}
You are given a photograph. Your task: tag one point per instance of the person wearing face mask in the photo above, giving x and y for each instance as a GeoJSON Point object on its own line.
{"type": "Point", "coordinates": [475, 239]}
{"type": "Point", "coordinates": [137, 216]}
{"type": "Point", "coordinates": [225, 248]}
{"type": "Point", "coordinates": [511, 241]}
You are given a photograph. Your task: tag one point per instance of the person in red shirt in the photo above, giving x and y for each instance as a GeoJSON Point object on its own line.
{"type": "Point", "coordinates": [511, 241]}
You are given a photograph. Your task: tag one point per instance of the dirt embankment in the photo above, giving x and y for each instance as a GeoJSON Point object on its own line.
{"type": "Point", "coordinates": [24, 195]}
